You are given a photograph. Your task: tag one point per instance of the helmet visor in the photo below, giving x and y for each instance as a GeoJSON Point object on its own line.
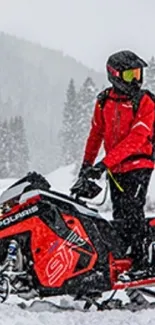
{"type": "Point", "coordinates": [129, 75]}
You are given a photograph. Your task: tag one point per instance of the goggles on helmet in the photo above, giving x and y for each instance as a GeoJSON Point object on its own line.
{"type": "Point", "coordinates": [129, 75]}
{"type": "Point", "coordinates": [126, 75]}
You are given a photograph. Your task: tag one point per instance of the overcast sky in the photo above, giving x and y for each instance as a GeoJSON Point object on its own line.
{"type": "Point", "coordinates": [89, 30]}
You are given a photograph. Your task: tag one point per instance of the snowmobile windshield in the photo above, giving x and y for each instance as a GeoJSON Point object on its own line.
{"type": "Point", "coordinates": [13, 194]}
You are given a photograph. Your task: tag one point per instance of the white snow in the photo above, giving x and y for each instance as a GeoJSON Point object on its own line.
{"type": "Point", "coordinates": [11, 314]}
{"type": "Point", "coordinates": [62, 178]}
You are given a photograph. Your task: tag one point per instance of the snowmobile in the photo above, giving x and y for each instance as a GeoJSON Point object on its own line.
{"type": "Point", "coordinates": [52, 244]}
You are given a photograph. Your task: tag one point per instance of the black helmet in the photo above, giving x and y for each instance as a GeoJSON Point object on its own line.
{"type": "Point", "coordinates": [125, 62]}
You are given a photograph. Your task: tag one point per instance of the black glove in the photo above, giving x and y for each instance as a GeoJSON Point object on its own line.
{"type": "Point", "coordinates": [85, 188]}
{"type": "Point", "coordinates": [94, 172]}
{"type": "Point", "coordinates": [85, 168]}
{"type": "Point", "coordinates": [80, 183]}
{"type": "Point", "coordinates": [97, 170]}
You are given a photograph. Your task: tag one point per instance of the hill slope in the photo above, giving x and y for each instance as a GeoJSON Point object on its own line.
{"type": "Point", "coordinates": [33, 83]}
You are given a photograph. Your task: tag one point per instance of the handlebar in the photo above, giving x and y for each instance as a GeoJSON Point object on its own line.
{"type": "Point", "coordinates": [88, 189]}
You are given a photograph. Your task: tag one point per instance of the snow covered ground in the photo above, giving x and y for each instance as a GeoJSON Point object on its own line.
{"type": "Point", "coordinates": [11, 314]}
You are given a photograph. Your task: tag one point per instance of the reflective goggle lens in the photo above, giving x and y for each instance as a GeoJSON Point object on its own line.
{"type": "Point", "coordinates": [129, 75]}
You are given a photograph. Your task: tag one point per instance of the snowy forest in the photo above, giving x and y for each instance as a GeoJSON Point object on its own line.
{"type": "Point", "coordinates": [14, 153]}
{"type": "Point", "coordinates": [33, 83]}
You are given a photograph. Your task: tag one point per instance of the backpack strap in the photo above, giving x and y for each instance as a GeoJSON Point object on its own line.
{"type": "Point", "coordinates": [136, 100]}
{"type": "Point", "coordinates": [135, 103]}
{"type": "Point", "coordinates": [103, 96]}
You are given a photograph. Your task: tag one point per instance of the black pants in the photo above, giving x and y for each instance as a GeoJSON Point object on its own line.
{"type": "Point", "coordinates": [128, 207]}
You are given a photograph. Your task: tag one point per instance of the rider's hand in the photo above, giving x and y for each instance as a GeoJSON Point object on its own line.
{"type": "Point", "coordinates": [77, 186]}
{"type": "Point", "coordinates": [82, 176]}
{"type": "Point", "coordinates": [88, 171]}
{"type": "Point", "coordinates": [94, 172]}
{"type": "Point", "coordinates": [97, 170]}
{"type": "Point", "coordinates": [85, 168]}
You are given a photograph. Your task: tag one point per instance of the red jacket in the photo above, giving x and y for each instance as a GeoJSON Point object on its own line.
{"type": "Point", "coordinates": [125, 135]}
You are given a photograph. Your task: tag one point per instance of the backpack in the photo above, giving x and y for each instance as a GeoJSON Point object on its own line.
{"type": "Point", "coordinates": [104, 95]}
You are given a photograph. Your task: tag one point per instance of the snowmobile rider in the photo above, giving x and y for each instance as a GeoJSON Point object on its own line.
{"type": "Point", "coordinates": [127, 136]}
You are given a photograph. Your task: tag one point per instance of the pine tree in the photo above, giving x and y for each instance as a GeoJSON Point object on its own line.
{"type": "Point", "coordinates": [150, 75]}
{"type": "Point", "coordinates": [24, 151]}
{"type": "Point", "coordinates": [19, 154]}
{"type": "Point", "coordinates": [86, 101]}
{"type": "Point", "coordinates": [68, 131]}
{"type": "Point", "coordinates": [4, 150]}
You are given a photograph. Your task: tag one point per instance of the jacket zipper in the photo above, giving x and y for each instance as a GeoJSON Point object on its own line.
{"type": "Point", "coordinates": [117, 128]}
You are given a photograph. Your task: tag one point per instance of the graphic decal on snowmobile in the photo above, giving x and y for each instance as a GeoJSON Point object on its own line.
{"type": "Point", "coordinates": [57, 266]}
{"type": "Point", "coordinates": [16, 217]}
{"type": "Point", "coordinates": [63, 260]}
{"type": "Point", "coordinates": [74, 238]}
